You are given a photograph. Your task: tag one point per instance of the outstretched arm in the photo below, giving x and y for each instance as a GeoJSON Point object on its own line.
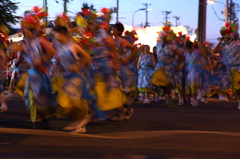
{"type": "Point", "coordinates": [218, 48]}
{"type": "Point", "coordinates": [86, 57]}
{"type": "Point", "coordinates": [48, 48]}
{"type": "Point", "coordinates": [180, 59]}
{"type": "Point", "coordinates": [133, 49]}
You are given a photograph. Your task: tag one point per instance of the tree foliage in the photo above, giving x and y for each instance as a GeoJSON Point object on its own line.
{"type": "Point", "coordinates": [7, 11]}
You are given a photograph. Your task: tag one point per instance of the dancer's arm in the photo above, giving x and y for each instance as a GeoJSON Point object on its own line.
{"type": "Point", "coordinates": [133, 48]}
{"type": "Point", "coordinates": [48, 48]}
{"type": "Point", "coordinates": [180, 59]}
{"type": "Point", "coordinates": [15, 47]}
{"type": "Point", "coordinates": [218, 48]}
{"type": "Point", "coordinates": [79, 51]}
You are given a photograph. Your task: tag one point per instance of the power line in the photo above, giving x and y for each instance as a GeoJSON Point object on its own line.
{"type": "Point", "coordinates": [216, 13]}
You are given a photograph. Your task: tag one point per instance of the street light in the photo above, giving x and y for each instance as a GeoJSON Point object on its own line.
{"type": "Point", "coordinates": [226, 5]}
{"type": "Point", "coordinates": [135, 13]}
{"type": "Point", "coordinates": [212, 1]}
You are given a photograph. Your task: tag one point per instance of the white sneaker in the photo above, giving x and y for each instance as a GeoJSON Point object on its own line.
{"type": "Point", "coordinates": [157, 100]}
{"type": "Point", "coordinates": [3, 108]}
{"type": "Point", "coordinates": [129, 113]}
{"type": "Point", "coordinates": [167, 101]}
{"type": "Point", "coordinates": [146, 100]}
{"type": "Point", "coordinates": [10, 95]}
{"type": "Point", "coordinates": [204, 100]}
{"type": "Point", "coordinates": [225, 99]}
{"type": "Point", "coordinates": [80, 130]}
{"type": "Point", "coordinates": [141, 98]}
{"type": "Point", "coordinates": [181, 102]}
{"type": "Point", "coordinates": [162, 97]}
{"type": "Point", "coordinates": [220, 97]}
{"type": "Point", "coordinates": [195, 103]}
{"type": "Point", "coordinates": [172, 94]}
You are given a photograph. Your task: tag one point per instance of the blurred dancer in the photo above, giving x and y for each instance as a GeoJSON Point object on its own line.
{"type": "Point", "coordinates": [165, 68]}
{"type": "Point", "coordinates": [19, 66]}
{"type": "Point", "coordinates": [179, 75]}
{"type": "Point", "coordinates": [3, 64]}
{"type": "Point", "coordinates": [146, 64]}
{"type": "Point", "coordinates": [195, 67]}
{"type": "Point", "coordinates": [124, 57]}
{"type": "Point", "coordinates": [222, 78]}
{"type": "Point", "coordinates": [228, 47]}
{"type": "Point", "coordinates": [35, 85]}
{"type": "Point", "coordinates": [207, 77]}
{"type": "Point", "coordinates": [105, 65]}
{"type": "Point", "coordinates": [72, 90]}
{"type": "Point", "coordinates": [132, 37]}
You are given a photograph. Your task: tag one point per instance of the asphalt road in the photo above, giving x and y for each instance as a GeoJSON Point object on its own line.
{"type": "Point", "coordinates": [154, 132]}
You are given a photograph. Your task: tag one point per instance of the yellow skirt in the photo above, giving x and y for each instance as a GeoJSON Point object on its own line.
{"type": "Point", "coordinates": [73, 107]}
{"type": "Point", "coordinates": [106, 100]}
{"type": "Point", "coordinates": [21, 85]}
{"type": "Point", "coordinates": [144, 90]}
{"type": "Point", "coordinates": [33, 107]}
{"type": "Point", "coordinates": [235, 80]}
{"type": "Point", "coordinates": [159, 78]}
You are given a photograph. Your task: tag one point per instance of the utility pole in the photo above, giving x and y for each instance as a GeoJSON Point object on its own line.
{"type": "Point", "coordinates": [227, 11]}
{"type": "Point", "coordinates": [233, 8]}
{"type": "Point", "coordinates": [65, 6]}
{"type": "Point", "coordinates": [201, 35]}
{"type": "Point", "coordinates": [45, 6]}
{"type": "Point", "coordinates": [146, 10]}
{"type": "Point", "coordinates": [176, 18]}
{"type": "Point", "coordinates": [117, 9]}
{"type": "Point", "coordinates": [166, 15]}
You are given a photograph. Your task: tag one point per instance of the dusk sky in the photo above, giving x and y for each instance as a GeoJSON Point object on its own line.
{"type": "Point", "coordinates": [187, 10]}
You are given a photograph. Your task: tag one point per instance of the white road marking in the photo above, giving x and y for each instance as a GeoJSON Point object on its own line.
{"type": "Point", "coordinates": [115, 135]}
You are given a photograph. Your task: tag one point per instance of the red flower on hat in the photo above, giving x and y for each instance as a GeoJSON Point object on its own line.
{"type": "Point", "coordinates": [32, 19]}
{"type": "Point", "coordinates": [166, 28]}
{"type": "Point", "coordinates": [64, 16]}
{"type": "Point", "coordinates": [206, 43]}
{"type": "Point", "coordinates": [88, 34]}
{"type": "Point", "coordinates": [36, 9]}
{"type": "Point", "coordinates": [105, 10]}
{"type": "Point", "coordinates": [228, 25]}
{"type": "Point", "coordinates": [85, 11]}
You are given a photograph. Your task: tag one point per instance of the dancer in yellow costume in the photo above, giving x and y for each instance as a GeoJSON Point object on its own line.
{"type": "Point", "coordinates": [71, 91]}
{"type": "Point", "coordinates": [165, 68]}
{"type": "Point", "coordinates": [35, 85]}
{"type": "Point", "coordinates": [105, 64]}
{"type": "Point", "coordinates": [229, 49]}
